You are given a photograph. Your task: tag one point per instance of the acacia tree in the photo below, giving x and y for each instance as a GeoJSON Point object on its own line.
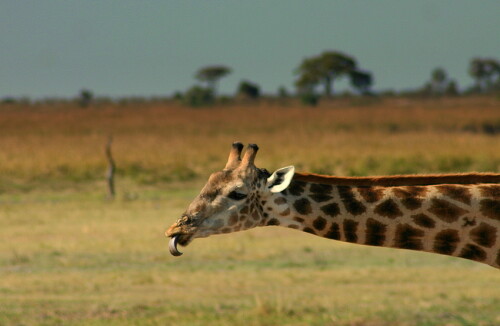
{"type": "Point", "coordinates": [324, 69]}
{"type": "Point", "coordinates": [211, 75]}
{"type": "Point", "coordinates": [484, 71]}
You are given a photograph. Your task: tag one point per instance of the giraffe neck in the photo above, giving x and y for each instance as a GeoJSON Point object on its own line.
{"type": "Point", "coordinates": [461, 220]}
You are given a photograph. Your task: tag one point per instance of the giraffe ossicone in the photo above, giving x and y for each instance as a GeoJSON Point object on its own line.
{"type": "Point", "coordinates": [451, 214]}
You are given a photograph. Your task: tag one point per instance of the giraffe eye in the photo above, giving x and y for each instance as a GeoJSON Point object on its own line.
{"type": "Point", "coordinates": [236, 195]}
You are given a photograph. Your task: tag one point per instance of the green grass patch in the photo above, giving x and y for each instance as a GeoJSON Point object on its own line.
{"type": "Point", "coordinates": [81, 260]}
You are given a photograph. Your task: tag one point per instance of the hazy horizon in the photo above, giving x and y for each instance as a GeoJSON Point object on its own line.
{"type": "Point", "coordinates": [130, 48]}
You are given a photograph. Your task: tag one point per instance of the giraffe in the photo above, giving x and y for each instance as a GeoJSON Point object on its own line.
{"type": "Point", "coordinates": [451, 214]}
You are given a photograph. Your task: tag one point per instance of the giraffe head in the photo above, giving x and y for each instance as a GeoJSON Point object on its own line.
{"type": "Point", "coordinates": [232, 200]}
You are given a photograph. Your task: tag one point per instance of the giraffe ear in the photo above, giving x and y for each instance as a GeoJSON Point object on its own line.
{"type": "Point", "coordinates": [280, 179]}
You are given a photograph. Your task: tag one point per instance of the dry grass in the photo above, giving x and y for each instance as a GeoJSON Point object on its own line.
{"type": "Point", "coordinates": [160, 143]}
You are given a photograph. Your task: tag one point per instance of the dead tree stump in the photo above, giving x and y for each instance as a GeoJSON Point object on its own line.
{"type": "Point", "coordinates": [110, 174]}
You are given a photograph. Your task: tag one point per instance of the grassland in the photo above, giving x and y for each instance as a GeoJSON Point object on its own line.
{"type": "Point", "coordinates": [70, 257]}
{"type": "Point", "coordinates": [63, 145]}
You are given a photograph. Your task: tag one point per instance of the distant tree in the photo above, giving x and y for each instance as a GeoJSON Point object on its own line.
{"type": "Point", "coordinates": [85, 98]}
{"type": "Point", "coordinates": [485, 72]}
{"type": "Point", "coordinates": [211, 75]}
{"type": "Point", "coordinates": [306, 83]}
{"type": "Point", "coordinates": [248, 90]}
{"type": "Point", "coordinates": [282, 92]}
{"type": "Point", "coordinates": [496, 86]}
{"type": "Point", "coordinates": [9, 100]}
{"type": "Point", "coordinates": [439, 81]}
{"type": "Point", "coordinates": [425, 91]}
{"type": "Point", "coordinates": [198, 96]}
{"type": "Point", "coordinates": [439, 84]}
{"type": "Point", "coordinates": [477, 71]}
{"type": "Point", "coordinates": [323, 69]}
{"type": "Point", "coordinates": [451, 89]}
{"type": "Point", "coordinates": [178, 96]}
{"type": "Point", "coordinates": [361, 81]}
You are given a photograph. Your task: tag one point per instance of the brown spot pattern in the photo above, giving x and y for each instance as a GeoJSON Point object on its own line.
{"type": "Point", "coordinates": [280, 201]}
{"type": "Point", "coordinates": [388, 208]}
{"type": "Point", "coordinates": [296, 188]}
{"type": "Point", "coordinates": [319, 223]}
{"type": "Point", "coordinates": [370, 194]}
{"type": "Point", "coordinates": [446, 242]}
{"type": "Point", "coordinates": [320, 188]}
{"type": "Point", "coordinates": [273, 221]}
{"type": "Point", "coordinates": [298, 219]}
{"type": "Point", "coordinates": [309, 230]}
{"type": "Point", "coordinates": [233, 219]}
{"type": "Point", "coordinates": [445, 210]}
{"type": "Point", "coordinates": [490, 208]}
{"type": "Point", "coordinates": [490, 191]}
{"type": "Point", "coordinates": [409, 197]}
{"type": "Point", "coordinates": [469, 222]}
{"type": "Point", "coordinates": [459, 193]}
{"type": "Point", "coordinates": [375, 232]}
{"type": "Point", "coordinates": [320, 197]}
{"type": "Point", "coordinates": [416, 191]}
{"type": "Point", "coordinates": [408, 237]}
{"type": "Point", "coordinates": [285, 212]}
{"type": "Point", "coordinates": [473, 252]}
{"type": "Point", "coordinates": [302, 206]}
{"type": "Point", "coordinates": [331, 209]}
{"type": "Point", "coordinates": [350, 227]}
{"type": "Point", "coordinates": [333, 232]}
{"type": "Point", "coordinates": [352, 205]}
{"type": "Point", "coordinates": [423, 220]}
{"type": "Point", "coordinates": [412, 203]}
{"type": "Point", "coordinates": [484, 235]}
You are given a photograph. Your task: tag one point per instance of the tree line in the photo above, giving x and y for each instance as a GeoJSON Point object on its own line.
{"type": "Point", "coordinates": [316, 75]}
{"type": "Point", "coordinates": [315, 78]}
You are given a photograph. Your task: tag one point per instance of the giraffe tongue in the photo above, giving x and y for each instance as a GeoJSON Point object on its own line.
{"type": "Point", "coordinates": [172, 246]}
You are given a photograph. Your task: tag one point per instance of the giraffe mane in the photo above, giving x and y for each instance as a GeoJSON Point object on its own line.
{"type": "Point", "coordinates": [400, 180]}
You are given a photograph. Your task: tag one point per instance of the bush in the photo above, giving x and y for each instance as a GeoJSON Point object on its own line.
{"type": "Point", "coordinates": [177, 96]}
{"type": "Point", "coordinates": [283, 93]}
{"type": "Point", "coordinates": [85, 98]}
{"type": "Point", "coordinates": [309, 99]}
{"type": "Point", "coordinates": [198, 96]}
{"type": "Point", "coordinates": [249, 90]}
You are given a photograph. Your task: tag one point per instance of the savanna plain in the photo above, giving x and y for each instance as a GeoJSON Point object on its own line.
{"type": "Point", "coordinates": [71, 256]}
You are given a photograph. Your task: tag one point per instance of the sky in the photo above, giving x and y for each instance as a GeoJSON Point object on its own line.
{"type": "Point", "coordinates": [154, 48]}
